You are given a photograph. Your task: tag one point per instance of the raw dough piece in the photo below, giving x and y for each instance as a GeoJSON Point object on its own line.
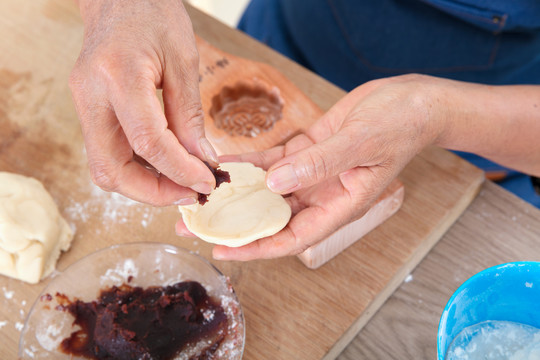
{"type": "Point", "coordinates": [238, 212]}
{"type": "Point", "coordinates": [32, 231]}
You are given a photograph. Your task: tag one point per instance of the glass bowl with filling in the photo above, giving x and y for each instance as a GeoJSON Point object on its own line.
{"type": "Point", "coordinates": [136, 301]}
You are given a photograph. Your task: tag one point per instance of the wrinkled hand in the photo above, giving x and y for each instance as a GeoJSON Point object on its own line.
{"type": "Point", "coordinates": [342, 164]}
{"type": "Point", "coordinates": [131, 49]}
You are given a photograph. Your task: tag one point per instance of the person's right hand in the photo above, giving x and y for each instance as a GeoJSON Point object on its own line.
{"type": "Point", "coordinates": [130, 49]}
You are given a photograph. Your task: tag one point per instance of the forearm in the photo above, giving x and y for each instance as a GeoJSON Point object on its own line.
{"type": "Point", "coordinates": [501, 123]}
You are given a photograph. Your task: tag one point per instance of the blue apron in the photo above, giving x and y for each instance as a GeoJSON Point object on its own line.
{"type": "Point", "coordinates": [350, 42]}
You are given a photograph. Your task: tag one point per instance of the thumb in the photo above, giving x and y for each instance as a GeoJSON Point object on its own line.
{"type": "Point", "coordinates": [314, 164]}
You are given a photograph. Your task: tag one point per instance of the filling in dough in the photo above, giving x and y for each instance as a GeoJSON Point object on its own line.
{"type": "Point", "coordinates": [238, 212]}
{"type": "Point", "coordinates": [32, 231]}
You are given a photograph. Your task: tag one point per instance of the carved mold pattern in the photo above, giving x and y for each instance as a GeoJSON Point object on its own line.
{"type": "Point", "coordinates": [246, 109]}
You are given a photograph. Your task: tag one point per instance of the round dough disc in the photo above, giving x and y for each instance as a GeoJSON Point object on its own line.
{"type": "Point", "coordinates": [238, 212]}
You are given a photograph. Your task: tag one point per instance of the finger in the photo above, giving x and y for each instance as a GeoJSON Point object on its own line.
{"type": "Point", "coordinates": [315, 164]}
{"type": "Point", "coordinates": [262, 159]}
{"type": "Point", "coordinates": [182, 230]}
{"type": "Point", "coordinates": [146, 128]}
{"type": "Point", "coordinates": [265, 159]}
{"type": "Point", "coordinates": [296, 237]}
{"type": "Point", "coordinates": [332, 148]}
{"type": "Point", "coordinates": [324, 151]}
{"type": "Point", "coordinates": [140, 184]}
{"type": "Point", "coordinates": [338, 144]}
{"type": "Point", "coordinates": [112, 165]}
{"type": "Point", "coordinates": [349, 200]}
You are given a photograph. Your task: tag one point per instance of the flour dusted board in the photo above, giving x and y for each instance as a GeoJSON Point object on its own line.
{"type": "Point", "coordinates": [291, 312]}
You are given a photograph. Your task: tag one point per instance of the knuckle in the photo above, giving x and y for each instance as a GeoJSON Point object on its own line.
{"type": "Point", "coordinates": [139, 81]}
{"type": "Point", "coordinates": [148, 145]}
{"type": "Point", "coordinates": [291, 242]}
{"type": "Point", "coordinates": [108, 65]}
{"type": "Point", "coordinates": [317, 167]}
{"type": "Point", "coordinates": [184, 55]}
{"type": "Point", "coordinates": [298, 249]}
{"type": "Point", "coordinates": [191, 58]}
{"type": "Point", "coordinates": [362, 195]}
{"type": "Point", "coordinates": [194, 114]}
{"type": "Point", "coordinates": [121, 72]}
{"type": "Point", "coordinates": [102, 176]}
{"type": "Point", "coordinates": [300, 245]}
{"type": "Point", "coordinates": [145, 143]}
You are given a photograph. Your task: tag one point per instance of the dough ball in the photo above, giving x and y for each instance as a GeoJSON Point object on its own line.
{"type": "Point", "coordinates": [32, 231]}
{"type": "Point", "coordinates": [238, 212]}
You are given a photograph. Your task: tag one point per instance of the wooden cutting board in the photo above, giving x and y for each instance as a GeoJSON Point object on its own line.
{"type": "Point", "coordinates": [291, 312]}
{"type": "Point", "coordinates": [251, 106]}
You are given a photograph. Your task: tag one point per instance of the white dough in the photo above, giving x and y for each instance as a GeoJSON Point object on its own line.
{"type": "Point", "coordinates": [238, 212]}
{"type": "Point", "coordinates": [32, 231]}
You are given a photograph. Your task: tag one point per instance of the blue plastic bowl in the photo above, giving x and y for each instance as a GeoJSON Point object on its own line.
{"type": "Point", "coordinates": [508, 292]}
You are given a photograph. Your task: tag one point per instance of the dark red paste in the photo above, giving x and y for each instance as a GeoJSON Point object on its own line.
{"type": "Point", "coordinates": [221, 176]}
{"type": "Point", "coordinates": [155, 323]}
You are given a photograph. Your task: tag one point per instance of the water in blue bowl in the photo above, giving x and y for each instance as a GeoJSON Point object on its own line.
{"type": "Point", "coordinates": [496, 340]}
{"type": "Point", "coordinates": [487, 309]}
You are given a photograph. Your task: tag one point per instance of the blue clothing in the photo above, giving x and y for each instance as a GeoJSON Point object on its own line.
{"type": "Point", "coordinates": [350, 42]}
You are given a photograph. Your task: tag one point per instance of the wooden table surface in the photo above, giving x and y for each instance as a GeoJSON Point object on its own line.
{"type": "Point", "coordinates": [496, 228]}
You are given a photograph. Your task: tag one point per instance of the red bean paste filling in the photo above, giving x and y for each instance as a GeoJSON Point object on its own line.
{"type": "Point", "coordinates": [221, 176]}
{"type": "Point", "coordinates": [154, 323]}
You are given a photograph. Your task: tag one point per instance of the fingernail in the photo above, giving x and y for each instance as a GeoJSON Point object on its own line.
{"type": "Point", "coordinates": [204, 188]}
{"type": "Point", "coordinates": [282, 179]}
{"type": "Point", "coordinates": [208, 151]}
{"type": "Point", "coordinates": [186, 201]}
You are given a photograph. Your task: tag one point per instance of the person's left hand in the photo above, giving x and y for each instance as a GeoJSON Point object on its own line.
{"type": "Point", "coordinates": [338, 168]}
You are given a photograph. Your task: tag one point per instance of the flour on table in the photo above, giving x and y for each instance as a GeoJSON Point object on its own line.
{"type": "Point", "coordinates": [19, 326]}
{"type": "Point", "coordinates": [8, 294]}
{"type": "Point", "coordinates": [111, 207]}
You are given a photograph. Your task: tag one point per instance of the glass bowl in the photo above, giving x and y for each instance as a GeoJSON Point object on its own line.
{"type": "Point", "coordinates": [136, 264]}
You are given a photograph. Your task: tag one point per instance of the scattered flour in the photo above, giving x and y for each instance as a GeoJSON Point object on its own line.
{"type": "Point", "coordinates": [409, 278]}
{"type": "Point", "coordinates": [29, 353]}
{"type": "Point", "coordinates": [51, 335]}
{"type": "Point", "coordinates": [3, 323]}
{"type": "Point", "coordinates": [121, 273]}
{"type": "Point", "coordinates": [111, 207]}
{"type": "Point", "coordinates": [8, 293]}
